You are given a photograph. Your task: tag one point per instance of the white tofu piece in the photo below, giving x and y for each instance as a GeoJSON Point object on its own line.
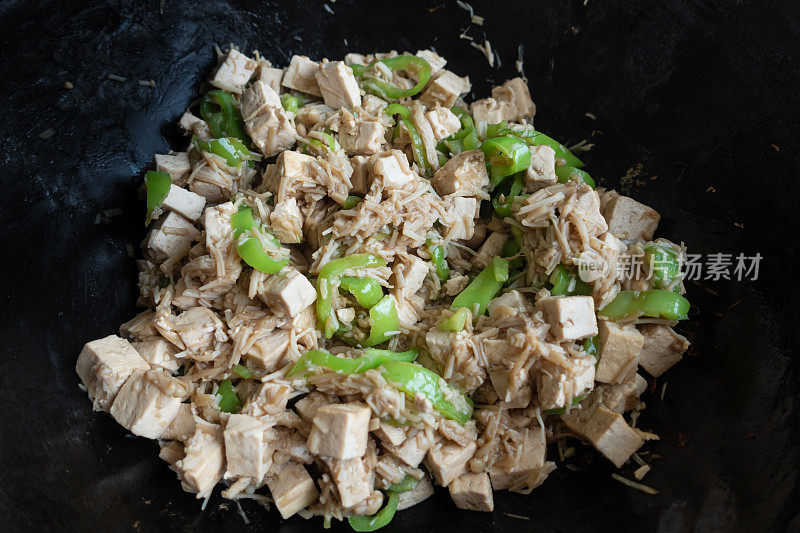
{"type": "Point", "coordinates": [662, 348]}
{"type": "Point", "coordinates": [234, 71]}
{"type": "Point", "coordinates": [518, 399]}
{"type": "Point", "coordinates": [170, 451]}
{"type": "Point", "coordinates": [389, 434]}
{"type": "Point", "coordinates": [217, 223]}
{"type": "Point", "coordinates": [436, 61]}
{"type": "Point", "coordinates": [292, 489]}
{"type": "Point", "coordinates": [498, 350]}
{"type": "Point", "coordinates": [204, 462]}
{"type": "Point", "coordinates": [373, 104]}
{"type": "Point", "coordinates": [488, 110]}
{"type": "Point", "coordinates": [142, 408]}
{"type": "Point", "coordinates": [587, 204]}
{"type": "Point", "coordinates": [464, 174]}
{"type": "Point", "coordinates": [197, 327]}
{"type": "Point", "coordinates": [392, 169]}
{"type": "Point", "coordinates": [246, 450]}
{"type": "Point", "coordinates": [362, 136]}
{"type": "Point", "coordinates": [557, 386]}
{"type": "Point", "coordinates": [193, 125]}
{"type": "Point", "coordinates": [515, 93]}
{"type": "Point", "coordinates": [409, 275]}
{"type": "Point", "coordinates": [449, 461]}
{"type": "Point", "coordinates": [186, 203]}
{"type": "Point", "coordinates": [630, 220]}
{"type": "Point", "coordinates": [418, 494]}
{"type": "Point", "coordinates": [272, 397]}
{"type": "Point", "coordinates": [443, 122]}
{"type": "Point", "coordinates": [182, 426]}
{"type": "Point", "coordinates": [141, 327]}
{"type": "Point", "coordinates": [310, 115]}
{"type": "Point", "coordinates": [511, 472]}
{"type": "Point", "coordinates": [176, 164]}
{"type": "Point", "coordinates": [491, 247]}
{"type": "Point", "coordinates": [460, 219]}
{"type": "Point", "coordinates": [287, 292]}
{"type": "Point", "coordinates": [256, 98]}
{"type": "Point", "coordinates": [104, 365]}
{"type": "Point", "coordinates": [340, 431]}
{"type": "Point", "coordinates": [159, 353]}
{"type": "Point", "coordinates": [509, 303]}
{"type": "Point", "coordinates": [444, 88]}
{"type": "Point", "coordinates": [624, 396]}
{"type": "Point", "coordinates": [271, 131]}
{"type": "Point", "coordinates": [351, 479]}
{"type": "Point", "coordinates": [170, 235]}
{"type": "Point", "coordinates": [307, 406]}
{"type": "Point", "coordinates": [619, 352]}
{"type": "Point", "coordinates": [570, 317]}
{"type": "Point", "coordinates": [607, 431]}
{"type": "Point", "coordinates": [542, 170]}
{"type": "Point", "coordinates": [286, 221]}
{"type": "Point", "coordinates": [290, 167]}
{"type": "Point", "coordinates": [269, 76]}
{"type": "Point", "coordinates": [413, 450]}
{"type": "Point", "coordinates": [302, 76]}
{"type": "Point", "coordinates": [472, 492]}
{"type": "Point", "coordinates": [268, 351]}
{"type": "Point", "coordinates": [338, 85]}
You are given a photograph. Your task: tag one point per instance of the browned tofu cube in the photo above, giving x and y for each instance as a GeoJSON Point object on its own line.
{"type": "Point", "coordinates": [234, 71]}
{"type": "Point", "coordinates": [302, 76]}
{"type": "Point", "coordinates": [619, 353]}
{"type": "Point", "coordinates": [661, 349]}
{"type": "Point", "coordinates": [245, 447]}
{"type": "Point", "coordinates": [203, 464]}
{"type": "Point", "coordinates": [630, 220]}
{"type": "Point", "coordinates": [340, 431]}
{"type": "Point", "coordinates": [288, 292]}
{"type": "Point", "coordinates": [463, 175]}
{"type": "Point", "coordinates": [292, 489]}
{"type": "Point", "coordinates": [472, 492]}
{"type": "Point", "coordinates": [449, 461]}
{"type": "Point", "coordinates": [338, 85]}
{"type": "Point", "coordinates": [516, 471]}
{"type": "Point", "coordinates": [351, 480]}
{"type": "Point", "coordinates": [609, 433]}
{"type": "Point", "coordinates": [444, 88]}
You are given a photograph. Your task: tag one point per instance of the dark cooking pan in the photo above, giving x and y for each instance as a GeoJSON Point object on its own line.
{"type": "Point", "coordinates": [693, 108]}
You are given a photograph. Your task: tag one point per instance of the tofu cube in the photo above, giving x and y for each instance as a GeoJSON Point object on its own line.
{"type": "Point", "coordinates": [449, 461]}
{"type": "Point", "coordinates": [409, 275]}
{"type": "Point", "coordinates": [186, 203]}
{"type": "Point", "coordinates": [499, 350]}
{"type": "Point", "coordinates": [256, 98]}
{"type": "Point", "coordinates": [310, 115]}
{"type": "Point", "coordinates": [508, 304]}
{"type": "Point", "coordinates": [557, 386]}
{"type": "Point", "coordinates": [413, 450]}
{"type": "Point", "coordinates": [436, 61]}
{"type": "Point", "coordinates": [443, 122]}
{"type": "Point", "coordinates": [661, 349]}
{"type": "Point", "coordinates": [142, 408]}
{"type": "Point", "coordinates": [176, 164]}
{"type": "Point", "coordinates": [361, 179]}
{"type": "Point", "coordinates": [302, 76]}
{"type": "Point", "coordinates": [338, 85]}
{"type": "Point", "coordinates": [488, 110]}
{"type": "Point", "coordinates": [268, 351]}
{"type": "Point", "coordinates": [619, 353]}
{"type": "Point", "coordinates": [307, 406]}
{"type": "Point", "coordinates": [464, 174]}
{"type": "Point", "coordinates": [542, 170]}
{"type": "Point", "coordinates": [513, 399]}
{"type": "Point", "coordinates": [193, 125]}
{"type": "Point", "coordinates": [269, 76]}
{"type": "Point", "coordinates": [182, 426]}
{"type": "Point", "coordinates": [196, 328]}
{"type": "Point", "coordinates": [286, 221]}
{"type": "Point", "coordinates": [444, 89]}
{"type": "Point", "coordinates": [234, 71]}
{"type": "Point", "coordinates": [587, 204]}
{"type": "Point", "coordinates": [418, 494]}
{"type": "Point", "coordinates": [472, 492]}
{"type": "Point", "coordinates": [373, 104]}
{"type": "Point", "coordinates": [104, 365]}
{"type": "Point", "coordinates": [351, 479]}
{"type": "Point", "coordinates": [271, 131]}
{"type": "Point", "coordinates": [340, 431]}
{"type": "Point", "coordinates": [570, 317]}
{"type": "Point", "coordinates": [217, 223]}
{"type": "Point", "coordinates": [513, 472]}
{"type": "Point", "coordinates": [288, 292]}
{"type": "Point", "coordinates": [491, 247]}
{"type": "Point", "coordinates": [245, 447]}
{"type": "Point", "coordinates": [290, 168]}
{"type": "Point", "coordinates": [170, 235]}
{"type": "Point", "coordinates": [516, 95]}
{"type": "Point", "coordinates": [460, 218]}
{"type": "Point", "coordinates": [272, 397]}
{"type": "Point", "coordinates": [203, 465]}
{"type": "Point", "coordinates": [630, 220]}
{"type": "Point", "coordinates": [292, 489]}
{"type": "Point", "coordinates": [392, 169]}
{"type": "Point", "coordinates": [624, 396]}
{"type": "Point", "coordinates": [159, 353]}
{"type": "Point", "coordinates": [362, 136]}
{"type": "Point", "coordinates": [609, 434]}
{"type": "Point", "coordinates": [389, 434]}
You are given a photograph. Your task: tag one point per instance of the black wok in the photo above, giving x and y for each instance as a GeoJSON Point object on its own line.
{"type": "Point", "coordinates": [696, 102]}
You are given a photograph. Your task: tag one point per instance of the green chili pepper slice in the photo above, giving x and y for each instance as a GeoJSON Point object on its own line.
{"type": "Point", "coordinates": [367, 292]}
{"type": "Point", "coordinates": [351, 201]}
{"type": "Point", "coordinates": [228, 148]}
{"type": "Point", "coordinates": [439, 260]}
{"type": "Point", "coordinates": [253, 254]}
{"type": "Point", "coordinates": [227, 398]}
{"type": "Point", "coordinates": [562, 280]}
{"type": "Point", "coordinates": [385, 322]}
{"type": "Point", "coordinates": [292, 102]}
{"type": "Point", "coordinates": [590, 346]}
{"type": "Point", "coordinates": [454, 322]}
{"type": "Point", "coordinates": [503, 209]}
{"type": "Point", "coordinates": [372, 358]}
{"type": "Point", "coordinates": [665, 265]}
{"type": "Point", "coordinates": [218, 109]}
{"type": "Point", "coordinates": [652, 303]}
{"type": "Point", "coordinates": [412, 379]}
{"type": "Point", "coordinates": [326, 315]}
{"type": "Point", "coordinates": [388, 90]}
{"type": "Point", "coordinates": [378, 520]}
{"type": "Point", "coordinates": [417, 146]}
{"type": "Point", "coordinates": [243, 371]}
{"type": "Point", "coordinates": [505, 156]}
{"type": "Point", "coordinates": [483, 288]}
{"type": "Point", "coordinates": [397, 109]}
{"type": "Point", "coordinates": [158, 185]}
{"type": "Point", "coordinates": [565, 172]}
{"type": "Point", "coordinates": [408, 483]}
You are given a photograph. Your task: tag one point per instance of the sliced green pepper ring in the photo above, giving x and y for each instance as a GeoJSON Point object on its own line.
{"type": "Point", "coordinates": [229, 148]}
{"type": "Point", "coordinates": [652, 303]}
{"type": "Point", "coordinates": [505, 156]}
{"type": "Point", "coordinates": [362, 523]}
{"type": "Point", "coordinates": [389, 90]}
{"type": "Point", "coordinates": [218, 109]}
{"type": "Point", "coordinates": [454, 322]}
{"type": "Point", "coordinates": [565, 172]}
{"type": "Point", "coordinates": [367, 292]}
{"type": "Point", "coordinates": [158, 185]}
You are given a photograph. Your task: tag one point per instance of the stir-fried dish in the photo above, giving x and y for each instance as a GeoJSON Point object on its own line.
{"type": "Point", "coordinates": [358, 286]}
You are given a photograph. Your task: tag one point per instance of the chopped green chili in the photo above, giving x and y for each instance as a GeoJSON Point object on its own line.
{"type": "Point", "coordinates": [158, 185]}
{"type": "Point", "coordinates": [454, 322]}
{"type": "Point", "coordinates": [227, 398]}
{"type": "Point", "coordinates": [652, 303]}
{"type": "Point", "coordinates": [439, 260]}
{"type": "Point", "coordinates": [335, 269]}
{"type": "Point", "coordinates": [218, 110]}
{"type": "Point", "coordinates": [250, 249]}
{"type": "Point", "coordinates": [243, 371]}
{"type": "Point", "coordinates": [565, 172]}
{"type": "Point", "coordinates": [565, 284]}
{"type": "Point", "coordinates": [372, 358]}
{"type": "Point", "coordinates": [228, 148]}
{"type": "Point", "coordinates": [389, 90]}
{"type": "Point", "coordinates": [483, 288]}
{"type": "Point", "coordinates": [367, 292]}
{"type": "Point", "coordinates": [665, 266]}
{"type": "Point", "coordinates": [505, 156]}
{"type": "Point", "coordinates": [378, 520]}
{"type": "Point", "coordinates": [351, 201]}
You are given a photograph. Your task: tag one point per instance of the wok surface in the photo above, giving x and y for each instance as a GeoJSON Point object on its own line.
{"type": "Point", "coordinates": [695, 101]}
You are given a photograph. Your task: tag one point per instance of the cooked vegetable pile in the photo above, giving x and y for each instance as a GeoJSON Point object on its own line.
{"type": "Point", "coordinates": [357, 286]}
